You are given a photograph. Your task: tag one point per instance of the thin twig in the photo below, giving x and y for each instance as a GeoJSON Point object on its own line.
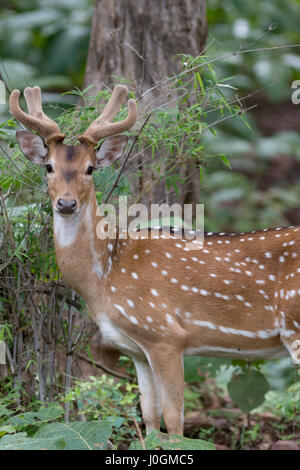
{"type": "Point", "coordinates": [126, 158]}
{"type": "Point", "coordinates": [217, 59]}
{"type": "Point", "coordinates": [139, 432]}
{"type": "Point", "coordinates": [104, 368]}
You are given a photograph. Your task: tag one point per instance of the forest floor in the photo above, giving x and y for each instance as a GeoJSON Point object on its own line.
{"type": "Point", "coordinates": [215, 418]}
{"type": "Point", "coordinates": [219, 421]}
{"type": "Point", "coordinates": [229, 429]}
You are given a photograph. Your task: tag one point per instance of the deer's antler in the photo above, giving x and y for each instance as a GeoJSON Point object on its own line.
{"type": "Point", "coordinates": [36, 119]}
{"type": "Point", "coordinates": [103, 125]}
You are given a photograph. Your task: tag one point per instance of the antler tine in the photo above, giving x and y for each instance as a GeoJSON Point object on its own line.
{"type": "Point", "coordinates": [36, 119]}
{"type": "Point", "coordinates": [102, 126]}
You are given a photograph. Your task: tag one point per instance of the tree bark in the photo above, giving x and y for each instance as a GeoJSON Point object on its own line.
{"type": "Point", "coordinates": [139, 40]}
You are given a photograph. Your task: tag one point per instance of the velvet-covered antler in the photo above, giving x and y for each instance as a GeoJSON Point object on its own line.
{"type": "Point", "coordinates": [103, 125]}
{"type": "Point", "coordinates": [36, 119]}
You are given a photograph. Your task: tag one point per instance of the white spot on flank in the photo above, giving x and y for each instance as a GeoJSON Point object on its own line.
{"type": "Point", "coordinates": [174, 280]}
{"type": "Point", "coordinates": [154, 292]}
{"type": "Point", "coordinates": [268, 254]}
{"type": "Point", "coordinates": [206, 324]}
{"type": "Point", "coordinates": [133, 320]}
{"type": "Point", "coordinates": [168, 255]}
{"type": "Point", "coordinates": [169, 319]}
{"type": "Point", "coordinates": [130, 303]}
{"type": "Point", "coordinates": [233, 331]}
{"type": "Point", "coordinates": [121, 309]}
{"type": "Point", "coordinates": [134, 275]}
{"type": "Point", "coordinates": [154, 264]}
{"type": "Point", "coordinates": [164, 273]}
{"type": "Point", "coordinates": [204, 292]}
{"type": "Point", "coordinates": [184, 287]}
{"type": "Point", "coordinates": [113, 289]}
{"type": "Point", "coordinates": [149, 319]}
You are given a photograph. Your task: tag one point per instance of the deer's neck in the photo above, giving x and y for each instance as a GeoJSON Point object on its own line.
{"type": "Point", "coordinates": [82, 257]}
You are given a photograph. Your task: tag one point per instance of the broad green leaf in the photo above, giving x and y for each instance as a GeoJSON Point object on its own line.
{"type": "Point", "coordinates": [160, 440]}
{"type": "Point", "coordinates": [248, 389]}
{"type": "Point", "coordinates": [20, 441]}
{"type": "Point", "coordinates": [43, 415]}
{"type": "Point", "coordinates": [6, 430]}
{"type": "Point", "coordinates": [91, 435]}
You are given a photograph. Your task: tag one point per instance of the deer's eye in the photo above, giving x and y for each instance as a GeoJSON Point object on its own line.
{"type": "Point", "coordinates": [49, 168]}
{"type": "Point", "coordinates": [90, 170]}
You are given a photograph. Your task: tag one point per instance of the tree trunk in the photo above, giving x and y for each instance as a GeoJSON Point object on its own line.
{"type": "Point", "coordinates": [139, 40]}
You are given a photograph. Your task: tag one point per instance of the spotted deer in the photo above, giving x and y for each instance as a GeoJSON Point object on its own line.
{"type": "Point", "coordinates": [157, 300]}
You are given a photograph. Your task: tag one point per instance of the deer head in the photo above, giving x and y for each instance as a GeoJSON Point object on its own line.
{"type": "Point", "coordinates": [69, 168]}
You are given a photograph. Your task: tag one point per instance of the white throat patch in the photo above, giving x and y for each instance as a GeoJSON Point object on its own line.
{"type": "Point", "coordinates": [66, 228]}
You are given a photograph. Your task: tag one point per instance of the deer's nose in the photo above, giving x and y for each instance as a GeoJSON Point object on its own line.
{"type": "Point", "coordinates": [66, 206]}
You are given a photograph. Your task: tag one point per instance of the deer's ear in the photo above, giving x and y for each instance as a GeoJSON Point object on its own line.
{"type": "Point", "coordinates": [32, 146]}
{"type": "Point", "coordinates": [110, 150]}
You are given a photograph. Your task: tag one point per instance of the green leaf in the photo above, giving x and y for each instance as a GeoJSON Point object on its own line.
{"type": "Point", "coordinates": [43, 415]}
{"type": "Point", "coordinates": [225, 160]}
{"type": "Point", "coordinates": [160, 440]}
{"type": "Point", "coordinates": [6, 430]}
{"type": "Point", "coordinates": [248, 389]}
{"type": "Point", "coordinates": [191, 365]}
{"type": "Point", "coordinates": [91, 435]}
{"type": "Point", "coordinates": [20, 441]}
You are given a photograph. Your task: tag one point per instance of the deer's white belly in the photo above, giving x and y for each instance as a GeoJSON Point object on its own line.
{"type": "Point", "coordinates": [218, 351]}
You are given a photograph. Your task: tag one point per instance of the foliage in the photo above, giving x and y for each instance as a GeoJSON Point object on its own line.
{"type": "Point", "coordinates": [157, 440]}
{"type": "Point", "coordinates": [248, 389]}
{"type": "Point", "coordinates": [105, 399]}
{"type": "Point", "coordinates": [61, 436]}
{"type": "Point", "coordinates": [44, 44]}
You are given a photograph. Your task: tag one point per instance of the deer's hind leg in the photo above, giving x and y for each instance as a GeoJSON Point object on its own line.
{"type": "Point", "coordinates": [149, 395]}
{"type": "Point", "coordinates": [167, 366]}
{"type": "Point", "coordinates": [292, 343]}
{"type": "Point", "coordinates": [290, 336]}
